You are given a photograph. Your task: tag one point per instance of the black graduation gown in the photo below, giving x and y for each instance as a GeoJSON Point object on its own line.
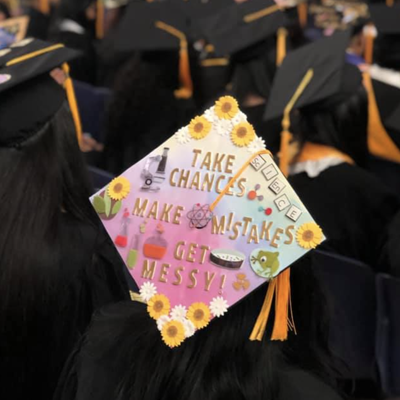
{"type": "Point", "coordinates": [353, 209]}
{"type": "Point", "coordinates": [392, 248]}
{"type": "Point", "coordinates": [100, 363]}
{"type": "Point", "coordinates": [90, 275]}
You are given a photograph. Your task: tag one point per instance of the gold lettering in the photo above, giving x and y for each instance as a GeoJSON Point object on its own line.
{"type": "Point", "coordinates": [235, 229]}
{"type": "Point", "coordinates": [183, 179]}
{"type": "Point", "coordinates": [265, 230]}
{"type": "Point", "coordinates": [208, 181]}
{"type": "Point", "coordinates": [209, 280]}
{"type": "Point", "coordinates": [153, 213]}
{"type": "Point", "coordinates": [229, 164]}
{"type": "Point", "coordinates": [204, 251]}
{"type": "Point", "coordinates": [289, 234]}
{"type": "Point", "coordinates": [242, 187]}
{"type": "Point", "coordinates": [217, 183]}
{"type": "Point", "coordinates": [171, 177]}
{"type": "Point", "coordinates": [191, 252]}
{"type": "Point", "coordinates": [218, 162]}
{"type": "Point", "coordinates": [247, 221]}
{"type": "Point", "coordinates": [253, 235]}
{"type": "Point", "coordinates": [179, 254]}
{"type": "Point", "coordinates": [164, 273]}
{"type": "Point", "coordinates": [218, 227]}
{"type": "Point", "coordinates": [178, 276]}
{"type": "Point", "coordinates": [165, 212]}
{"type": "Point", "coordinates": [196, 181]}
{"type": "Point", "coordinates": [276, 237]}
{"type": "Point", "coordinates": [193, 279]}
{"type": "Point", "coordinates": [148, 271]}
{"type": "Point", "coordinates": [196, 152]}
{"type": "Point", "coordinates": [178, 214]}
{"type": "Point", "coordinates": [206, 162]}
{"type": "Point", "coordinates": [139, 209]}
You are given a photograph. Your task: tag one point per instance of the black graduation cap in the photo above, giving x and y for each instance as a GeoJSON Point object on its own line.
{"type": "Point", "coordinates": [152, 26]}
{"type": "Point", "coordinates": [386, 19]}
{"type": "Point", "coordinates": [29, 96]}
{"type": "Point", "coordinates": [322, 65]}
{"type": "Point", "coordinates": [241, 25]}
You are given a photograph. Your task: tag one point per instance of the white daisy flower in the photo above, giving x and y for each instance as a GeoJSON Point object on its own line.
{"type": "Point", "coordinates": [238, 118]}
{"type": "Point", "coordinates": [189, 328]}
{"type": "Point", "coordinates": [224, 127]}
{"type": "Point", "coordinates": [210, 115]}
{"type": "Point", "coordinates": [178, 313]}
{"type": "Point", "coordinates": [147, 291]}
{"type": "Point", "coordinates": [256, 145]}
{"type": "Point", "coordinates": [182, 136]}
{"type": "Point", "coordinates": [218, 306]}
{"type": "Point", "coordinates": [162, 321]}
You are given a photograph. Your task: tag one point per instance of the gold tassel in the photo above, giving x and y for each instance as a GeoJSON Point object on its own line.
{"type": "Point", "coordinates": [69, 88]}
{"type": "Point", "coordinates": [260, 14]}
{"type": "Point", "coordinates": [44, 7]}
{"type": "Point", "coordinates": [390, 3]}
{"type": "Point", "coordinates": [281, 45]}
{"type": "Point", "coordinates": [369, 47]}
{"type": "Point", "coordinates": [302, 10]}
{"type": "Point", "coordinates": [100, 19]}
{"type": "Point", "coordinates": [186, 84]}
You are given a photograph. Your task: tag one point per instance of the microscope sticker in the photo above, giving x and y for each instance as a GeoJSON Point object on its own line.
{"type": "Point", "coordinates": [264, 263]}
{"type": "Point", "coordinates": [153, 179]}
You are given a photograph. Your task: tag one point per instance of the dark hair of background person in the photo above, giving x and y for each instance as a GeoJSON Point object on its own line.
{"type": "Point", "coordinates": [142, 115]}
{"type": "Point", "coordinates": [387, 51]}
{"type": "Point", "coordinates": [42, 181]}
{"type": "Point", "coordinates": [219, 362]}
{"type": "Point", "coordinates": [5, 10]}
{"type": "Point", "coordinates": [338, 122]}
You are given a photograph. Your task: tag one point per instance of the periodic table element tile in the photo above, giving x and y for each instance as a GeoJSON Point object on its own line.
{"type": "Point", "coordinates": [282, 202]}
{"type": "Point", "coordinates": [270, 172]}
{"type": "Point", "coordinates": [258, 162]}
{"type": "Point", "coordinates": [294, 213]}
{"type": "Point", "coordinates": [277, 186]}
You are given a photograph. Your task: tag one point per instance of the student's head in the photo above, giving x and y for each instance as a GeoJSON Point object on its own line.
{"type": "Point", "coordinates": [218, 362]}
{"type": "Point", "coordinates": [4, 12]}
{"type": "Point", "coordinates": [81, 11]}
{"type": "Point", "coordinates": [340, 121]}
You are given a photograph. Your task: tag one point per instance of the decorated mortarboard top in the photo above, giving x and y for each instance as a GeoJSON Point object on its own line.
{"type": "Point", "coordinates": [241, 25]}
{"type": "Point", "coordinates": [322, 64]}
{"type": "Point", "coordinates": [386, 19]}
{"type": "Point", "coordinates": [204, 220]}
{"type": "Point", "coordinates": [29, 96]}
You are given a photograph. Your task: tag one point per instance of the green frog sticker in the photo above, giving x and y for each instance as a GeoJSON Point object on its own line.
{"type": "Point", "coordinates": [265, 263]}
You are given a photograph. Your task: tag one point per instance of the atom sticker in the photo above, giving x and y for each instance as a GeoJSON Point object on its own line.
{"type": "Point", "coordinates": [199, 216]}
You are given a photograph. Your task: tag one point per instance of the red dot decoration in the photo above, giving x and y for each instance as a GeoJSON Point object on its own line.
{"type": "Point", "coordinates": [268, 211]}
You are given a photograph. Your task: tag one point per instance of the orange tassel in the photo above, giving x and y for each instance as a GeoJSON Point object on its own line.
{"type": "Point", "coordinates": [390, 3]}
{"type": "Point", "coordinates": [369, 48]}
{"type": "Point", "coordinates": [70, 91]}
{"type": "Point", "coordinates": [281, 45]}
{"type": "Point", "coordinates": [186, 89]}
{"type": "Point", "coordinates": [286, 138]}
{"type": "Point", "coordinates": [44, 7]}
{"type": "Point", "coordinates": [100, 19]}
{"type": "Point", "coordinates": [282, 301]}
{"type": "Point", "coordinates": [302, 10]}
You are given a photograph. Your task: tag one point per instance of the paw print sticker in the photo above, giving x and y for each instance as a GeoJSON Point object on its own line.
{"type": "Point", "coordinates": [241, 283]}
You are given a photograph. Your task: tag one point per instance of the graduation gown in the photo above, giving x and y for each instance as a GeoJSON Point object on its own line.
{"type": "Point", "coordinates": [353, 209]}
{"type": "Point", "coordinates": [100, 364]}
{"type": "Point", "coordinates": [90, 275]}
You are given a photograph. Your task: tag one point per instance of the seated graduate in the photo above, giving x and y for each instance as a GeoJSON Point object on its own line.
{"type": "Point", "coordinates": [382, 81]}
{"type": "Point", "coordinates": [74, 25]}
{"type": "Point", "coordinates": [57, 263]}
{"type": "Point", "coordinates": [195, 263]}
{"type": "Point", "coordinates": [156, 80]}
{"type": "Point", "coordinates": [352, 206]}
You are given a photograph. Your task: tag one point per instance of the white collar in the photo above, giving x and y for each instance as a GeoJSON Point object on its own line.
{"type": "Point", "coordinates": [315, 167]}
{"type": "Point", "coordinates": [68, 25]}
{"type": "Point", "coordinates": [385, 75]}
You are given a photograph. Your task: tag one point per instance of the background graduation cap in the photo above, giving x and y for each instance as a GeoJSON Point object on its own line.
{"type": "Point", "coordinates": [158, 26]}
{"type": "Point", "coordinates": [312, 74]}
{"type": "Point", "coordinates": [236, 27]}
{"type": "Point", "coordinates": [29, 96]}
{"type": "Point", "coordinates": [178, 218]}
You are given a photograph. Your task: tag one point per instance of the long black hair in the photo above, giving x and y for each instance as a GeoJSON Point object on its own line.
{"type": "Point", "coordinates": [340, 122]}
{"type": "Point", "coordinates": [219, 362]}
{"type": "Point", "coordinates": [42, 180]}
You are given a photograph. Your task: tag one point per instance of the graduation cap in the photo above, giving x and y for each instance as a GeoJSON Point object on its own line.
{"type": "Point", "coordinates": [385, 18]}
{"type": "Point", "coordinates": [205, 219]}
{"type": "Point", "coordinates": [314, 75]}
{"type": "Point", "coordinates": [157, 26]}
{"type": "Point", "coordinates": [242, 25]}
{"type": "Point", "coordinates": [30, 97]}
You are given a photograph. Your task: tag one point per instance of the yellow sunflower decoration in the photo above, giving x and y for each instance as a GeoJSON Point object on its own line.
{"type": "Point", "coordinates": [309, 236]}
{"type": "Point", "coordinates": [199, 127]}
{"type": "Point", "coordinates": [226, 107]}
{"type": "Point", "coordinates": [119, 188]}
{"type": "Point", "coordinates": [199, 314]}
{"type": "Point", "coordinates": [158, 306]}
{"type": "Point", "coordinates": [173, 333]}
{"type": "Point", "coordinates": [243, 134]}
